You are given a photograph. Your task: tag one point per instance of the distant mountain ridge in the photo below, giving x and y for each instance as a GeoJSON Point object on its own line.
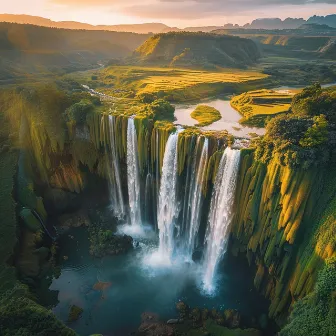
{"type": "Point", "coordinates": [155, 28]}
{"type": "Point", "coordinates": [143, 28]}
{"type": "Point", "coordinates": [290, 23]}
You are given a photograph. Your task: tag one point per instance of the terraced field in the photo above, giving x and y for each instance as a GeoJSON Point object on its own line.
{"type": "Point", "coordinates": [255, 106]}
{"type": "Point", "coordinates": [174, 84]}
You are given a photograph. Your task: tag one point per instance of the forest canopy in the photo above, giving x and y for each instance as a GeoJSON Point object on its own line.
{"type": "Point", "coordinates": [307, 134]}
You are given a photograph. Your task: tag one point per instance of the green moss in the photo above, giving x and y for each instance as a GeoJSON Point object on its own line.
{"type": "Point", "coordinates": [75, 313]}
{"type": "Point", "coordinates": [286, 224]}
{"type": "Point", "coordinates": [30, 220]}
{"type": "Point", "coordinates": [19, 315]}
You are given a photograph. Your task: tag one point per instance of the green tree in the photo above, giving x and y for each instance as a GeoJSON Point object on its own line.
{"type": "Point", "coordinates": [162, 110]}
{"type": "Point", "coordinates": [317, 134]}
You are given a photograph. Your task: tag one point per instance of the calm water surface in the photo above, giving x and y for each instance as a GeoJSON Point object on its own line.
{"type": "Point", "coordinates": [140, 284]}
{"type": "Point", "coordinates": [229, 120]}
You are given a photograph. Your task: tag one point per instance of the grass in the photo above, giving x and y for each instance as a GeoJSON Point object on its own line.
{"type": "Point", "coordinates": [205, 115]}
{"type": "Point", "coordinates": [174, 84]}
{"type": "Point", "coordinates": [256, 106]}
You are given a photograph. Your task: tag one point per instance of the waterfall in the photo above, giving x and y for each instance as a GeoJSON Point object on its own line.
{"type": "Point", "coordinates": [133, 178]}
{"type": "Point", "coordinates": [168, 207]}
{"type": "Point", "coordinates": [116, 195]}
{"type": "Point", "coordinates": [193, 197]}
{"type": "Point", "coordinates": [148, 199]}
{"type": "Point", "coordinates": [220, 216]}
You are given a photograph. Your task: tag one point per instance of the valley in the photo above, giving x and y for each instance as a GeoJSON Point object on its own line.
{"type": "Point", "coordinates": [181, 183]}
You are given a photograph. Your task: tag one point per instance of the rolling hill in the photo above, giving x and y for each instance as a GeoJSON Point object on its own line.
{"type": "Point", "coordinates": [28, 49]}
{"type": "Point", "coordinates": [185, 49]}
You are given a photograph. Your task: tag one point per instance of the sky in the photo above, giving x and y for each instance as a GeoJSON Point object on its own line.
{"type": "Point", "coordinates": [179, 13]}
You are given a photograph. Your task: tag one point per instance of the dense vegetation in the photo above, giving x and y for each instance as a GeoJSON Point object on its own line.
{"type": "Point", "coordinates": [197, 49]}
{"type": "Point", "coordinates": [205, 115]}
{"type": "Point", "coordinates": [314, 315]}
{"type": "Point", "coordinates": [306, 135]}
{"type": "Point", "coordinates": [20, 311]}
{"type": "Point", "coordinates": [28, 49]}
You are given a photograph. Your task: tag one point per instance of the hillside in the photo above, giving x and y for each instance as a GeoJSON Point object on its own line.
{"type": "Point", "coordinates": [26, 49]}
{"type": "Point", "coordinates": [197, 49]}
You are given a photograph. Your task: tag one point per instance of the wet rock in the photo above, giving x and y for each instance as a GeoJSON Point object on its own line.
{"type": "Point", "coordinates": [151, 326]}
{"type": "Point", "coordinates": [43, 253]}
{"type": "Point", "coordinates": [101, 286]}
{"type": "Point", "coordinates": [75, 220]}
{"type": "Point", "coordinates": [74, 313]}
{"type": "Point", "coordinates": [205, 314]}
{"type": "Point", "coordinates": [155, 329]}
{"type": "Point", "coordinates": [173, 321]}
{"type": "Point", "coordinates": [183, 309]}
{"type": "Point", "coordinates": [106, 243]}
{"type": "Point", "coordinates": [232, 318]}
{"type": "Point", "coordinates": [147, 316]}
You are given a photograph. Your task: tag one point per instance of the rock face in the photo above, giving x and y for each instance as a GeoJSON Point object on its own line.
{"type": "Point", "coordinates": [75, 220]}
{"type": "Point", "coordinates": [287, 216]}
{"type": "Point", "coordinates": [151, 326]}
{"type": "Point", "coordinates": [106, 243]}
{"type": "Point", "coordinates": [214, 322]}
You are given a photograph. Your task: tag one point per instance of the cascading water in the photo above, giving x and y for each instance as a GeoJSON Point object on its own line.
{"type": "Point", "coordinates": [220, 216]}
{"type": "Point", "coordinates": [168, 207]}
{"type": "Point", "coordinates": [116, 194]}
{"type": "Point", "coordinates": [133, 178]}
{"type": "Point", "coordinates": [192, 205]}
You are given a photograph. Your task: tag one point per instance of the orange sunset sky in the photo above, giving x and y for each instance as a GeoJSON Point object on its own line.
{"type": "Point", "coordinates": [178, 13]}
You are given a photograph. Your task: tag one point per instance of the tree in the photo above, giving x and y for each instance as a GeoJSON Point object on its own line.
{"type": "Point", "coordinates": [162, 110]}
{"type": "Point", "coordinates": [317, 134]}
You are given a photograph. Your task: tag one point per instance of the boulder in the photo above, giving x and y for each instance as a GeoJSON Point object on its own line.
{"type": "Point", "coordinates": [232, 318]}
{"type": "Point", "coordinates": [77, 219]}
{"type": "Point", "coordinates": [74, 313]}
{"type": "Point", "coordinates": [183, 309]}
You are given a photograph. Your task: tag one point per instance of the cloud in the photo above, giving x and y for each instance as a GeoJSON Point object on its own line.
{"type": "Point", "coordinates": [198, 9]}
{"type": "Point", "coordinates": [191, 9]}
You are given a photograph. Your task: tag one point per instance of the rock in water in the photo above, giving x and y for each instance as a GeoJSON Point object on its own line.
{"type": "Point", "coordinates": [173, 321]}
{"type": "Point", "coordinates": [101, 286]}
{"type": "Point", "coordinates": [106, 243]}
{"type": "Point", "coordinates": [75, 313]}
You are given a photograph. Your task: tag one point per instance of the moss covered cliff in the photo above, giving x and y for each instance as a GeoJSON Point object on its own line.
{"type": "Point", "coordinates": [285, 224]}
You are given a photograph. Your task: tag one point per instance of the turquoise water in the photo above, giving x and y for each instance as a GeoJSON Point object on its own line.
{"type": "Point", "coordinates": [139, 283]}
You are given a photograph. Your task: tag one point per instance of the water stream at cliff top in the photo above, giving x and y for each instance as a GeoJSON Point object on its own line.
{"type": "Point", "coordinates": [220, 216]}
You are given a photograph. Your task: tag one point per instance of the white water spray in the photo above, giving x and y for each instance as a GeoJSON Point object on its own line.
{"type": "Point", "coordinates": [220, 216]}
{"type": "Point", "coordinates": [168, 207]}
{"type": "Point", "coordinates": [133, 179]}
{"type": "Point", "coordinates": [116, 195]}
